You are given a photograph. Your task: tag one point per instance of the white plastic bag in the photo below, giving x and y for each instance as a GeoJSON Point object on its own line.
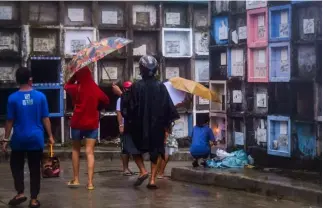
{"type": "Point", "coordinates": [251, 161]}
{"type": "Point", "coordinates": [222, 154]}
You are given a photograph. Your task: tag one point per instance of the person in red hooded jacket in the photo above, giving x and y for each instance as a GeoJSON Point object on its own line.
{"type": "Point", "coordinates": [87, 99]}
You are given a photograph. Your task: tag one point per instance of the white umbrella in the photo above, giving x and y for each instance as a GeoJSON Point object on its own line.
{"type": "Point", "coordinates": [177, 96]}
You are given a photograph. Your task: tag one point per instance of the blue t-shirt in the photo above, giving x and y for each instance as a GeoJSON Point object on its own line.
{"type": "Point", "coordinates": [201, 136]}
{"type": "Point", "coordinates": [27, 109]}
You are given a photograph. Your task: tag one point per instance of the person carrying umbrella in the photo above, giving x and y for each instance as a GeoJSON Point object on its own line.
{"type": "Point", "coordinates": [150, 111]}
{"type": "Point", "coordinates": [87, 99]}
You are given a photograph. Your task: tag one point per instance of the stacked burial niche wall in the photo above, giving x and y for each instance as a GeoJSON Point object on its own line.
{"type": "Point", "coordinates": [266, 56]}
{"type": "Point", "coordinates": [44, 36]}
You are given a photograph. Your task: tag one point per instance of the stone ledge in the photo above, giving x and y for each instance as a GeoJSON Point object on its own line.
{"type": "Point", "coordinates": [249, 180]}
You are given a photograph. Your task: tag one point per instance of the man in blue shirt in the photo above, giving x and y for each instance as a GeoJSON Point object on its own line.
{"type": "Point", "coordinates": [27, 114]}
{"type": "Point", "coordinates": [201, 136]}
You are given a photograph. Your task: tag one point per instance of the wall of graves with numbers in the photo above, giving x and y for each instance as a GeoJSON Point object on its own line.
{"type": "Point", "coordinates": [44, 36]}
{"type": "Point", "coordinates": [265, 61]}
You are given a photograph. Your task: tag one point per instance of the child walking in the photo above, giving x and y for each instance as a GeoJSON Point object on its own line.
{"type": "Point", "coordinates": [201, 136]}
{"type": "Point", "coordinates": [171, 147]}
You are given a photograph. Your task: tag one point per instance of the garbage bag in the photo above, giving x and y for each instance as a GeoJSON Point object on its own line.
{"type": "Point", "coordinates": [237, 159]}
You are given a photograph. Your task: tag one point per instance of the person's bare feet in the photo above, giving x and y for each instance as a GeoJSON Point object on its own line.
{"type": "Point", "coordinates": [34, 203]}
{"type": "Point", "coordinates": [73, 183]}
{"type": "Point", "coordinates": [160, 176]}
{"type": "Point", "coordinates": [18, 199]}
{"type": "Point", "coordinates": [76, 181]}
{"type": "Point", "coordinates": [143, 174]}
{"type": "Point", "coordinates": [89, 183]}
{"type": "Point", "coordinates": [20, 196]}
{"type": "Point", "coordinates": [152, 184]}
{"type": "Point", "coordinates": [90, 187]}
{"type": "Point", "coordinates": [127, 172]}
{"type": "Point", "coordinates": [152, 181]}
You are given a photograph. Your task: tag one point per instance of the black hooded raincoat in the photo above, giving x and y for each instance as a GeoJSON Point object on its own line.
{"type": "Point", "coordinates": [150, 112]}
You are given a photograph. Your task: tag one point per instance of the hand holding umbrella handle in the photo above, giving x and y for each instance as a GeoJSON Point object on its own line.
{"type": "Point", "coordinates": [116, 90]}
{"type": "Point", "coordinates": [51, 152]}
{"type": "Point", "coordinates": [72, 80]}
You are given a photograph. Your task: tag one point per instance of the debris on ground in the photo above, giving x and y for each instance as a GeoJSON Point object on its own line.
{"type": "Point", "coordinates": [236, 159]}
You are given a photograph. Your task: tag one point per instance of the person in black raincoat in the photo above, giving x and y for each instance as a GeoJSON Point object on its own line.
{"type": "Point", "coordinates": [149, 112]}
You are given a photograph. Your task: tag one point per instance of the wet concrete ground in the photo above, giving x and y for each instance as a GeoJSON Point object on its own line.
{"type": "Point", "coordinates": [115, 190]}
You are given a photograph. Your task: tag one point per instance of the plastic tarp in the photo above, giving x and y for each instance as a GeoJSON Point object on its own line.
{"type": "Point", "coordinates": [236, 159]}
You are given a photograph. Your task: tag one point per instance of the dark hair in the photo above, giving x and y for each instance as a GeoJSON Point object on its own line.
{"type": "Point", "coordinates": [23, 75]}
{"type": "Point", "coordinates": [202, 119]}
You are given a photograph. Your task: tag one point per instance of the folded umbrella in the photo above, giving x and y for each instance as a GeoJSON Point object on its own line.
{"type": "Point", "coordinates": [194, 88]}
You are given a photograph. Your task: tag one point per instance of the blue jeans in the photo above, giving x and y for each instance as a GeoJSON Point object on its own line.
{"type": "Point", "coordinates": [81, 134]}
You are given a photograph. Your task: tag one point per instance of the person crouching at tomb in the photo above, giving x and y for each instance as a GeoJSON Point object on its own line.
{"type": "Point", "coordinates": [150, 111]}
{"type": "Point", "coordinates": [87, 99]}
{"type": "Point", "coordinates": [201, 136]}
{"type": "Point", "coordinates": [27, 114]}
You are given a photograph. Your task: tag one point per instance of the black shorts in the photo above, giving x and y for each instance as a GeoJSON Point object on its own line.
{"type": "Point", "coordinates": [196, 157]}
{"type": "Point", "coordinates": [127, 145]}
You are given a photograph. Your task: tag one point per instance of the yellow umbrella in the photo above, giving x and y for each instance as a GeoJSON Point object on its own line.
{"type": "Point", "coordinates": [194, 88]}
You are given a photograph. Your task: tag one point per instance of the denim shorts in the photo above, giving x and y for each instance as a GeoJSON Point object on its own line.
{"type": "Point", "coordinates": [81, 134]}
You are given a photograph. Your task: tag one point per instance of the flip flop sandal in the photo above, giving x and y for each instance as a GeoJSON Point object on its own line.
{"type": "Point", "coordinates": [16, 201]}
{"type": "Point", "coordinates": [90, 188]}
{"type": "Point", "coordinates": [34, 205]}
{"type": "Point", "coordinates": [152, 186]}
{"type": "Point", "coordinates": [195, 164]}
{"type": "Point", "coordinates": [128, 173]}
{"type": "Point", "coordinates": [160, 177]}
{"type": "Point", "coordinates": [72, 184]}
{"type": "Point", "coordinates": [141, 179]}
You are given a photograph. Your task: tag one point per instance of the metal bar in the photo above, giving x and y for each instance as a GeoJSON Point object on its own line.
{"type": "Point", "coordinates": [102, 66]}
{"type": "Point", "coordinates": [62, 130]}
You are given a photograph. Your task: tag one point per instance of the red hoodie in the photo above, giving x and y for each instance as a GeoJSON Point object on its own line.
{"type": "Point", "coordinates": [86, 96]}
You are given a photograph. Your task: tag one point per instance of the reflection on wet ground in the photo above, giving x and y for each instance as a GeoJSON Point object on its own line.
{"type": "Point", "coordinates": [115, 190]}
